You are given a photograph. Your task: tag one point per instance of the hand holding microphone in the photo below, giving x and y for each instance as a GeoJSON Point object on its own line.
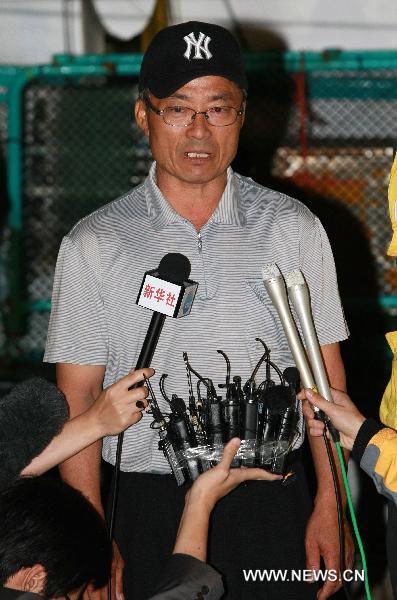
{"type": "Point", "coordinates": [344, 415]}
{"type": "Point", "coordinates": [118, 406]}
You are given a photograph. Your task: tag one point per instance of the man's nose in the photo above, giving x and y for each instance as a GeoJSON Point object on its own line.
{"type": "Point", "coordinates": [200, 127]}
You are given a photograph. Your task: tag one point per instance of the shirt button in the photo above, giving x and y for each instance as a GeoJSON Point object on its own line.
{"type": "Point", "coordinates": [205, 589]}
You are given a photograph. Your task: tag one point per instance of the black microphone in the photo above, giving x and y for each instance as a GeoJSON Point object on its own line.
{"type": "Point", "coordinates": [161, 425]}
{"type": "Point", "coordinates": [249, 420]}
{"type": "Point", "coordinates": [182, 440]}
{"type": "Point", "coordinates": [31, 415]}
{"type": "Point", "coordinates": [168, 292]}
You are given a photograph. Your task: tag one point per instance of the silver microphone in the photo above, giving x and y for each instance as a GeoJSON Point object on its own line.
{"type": "Point", "coordinates": [298, 293]}
{"type": "Point", "coordinates": [275, 286]}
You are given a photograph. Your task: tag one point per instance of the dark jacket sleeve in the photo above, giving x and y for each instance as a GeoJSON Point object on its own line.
{"type": "Point", "coordinates": [11, 594]}
{"type": "Point", "coordinates": [187, 578]}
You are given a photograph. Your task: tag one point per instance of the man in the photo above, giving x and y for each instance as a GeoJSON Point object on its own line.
{"type": "Point", "coordinates": [53, 542]}
{"type": "Point", "coordinates": [191, 106]}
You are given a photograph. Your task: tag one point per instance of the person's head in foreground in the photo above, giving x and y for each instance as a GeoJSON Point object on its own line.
{"type": "Point", "coordinates": [52, 541]}
{"type": "Point", "coordinates": [192, 91]}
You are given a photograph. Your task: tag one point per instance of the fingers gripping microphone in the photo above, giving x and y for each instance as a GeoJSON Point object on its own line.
{"type": "Point", "coordinates": [298, 292]}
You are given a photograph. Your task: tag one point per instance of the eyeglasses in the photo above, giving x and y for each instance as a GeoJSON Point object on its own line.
{"type": "Point", "coordinates": [183, 116]}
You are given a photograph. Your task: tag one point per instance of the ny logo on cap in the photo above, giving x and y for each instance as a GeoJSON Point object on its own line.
{"type": "Point", "coordinates": [200, 45]}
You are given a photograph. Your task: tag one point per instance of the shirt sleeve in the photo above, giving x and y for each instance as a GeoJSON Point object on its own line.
{"type": "Point", "coordinates": [77, 331]}
{"type": "Point", "coordinates": [318, 267]}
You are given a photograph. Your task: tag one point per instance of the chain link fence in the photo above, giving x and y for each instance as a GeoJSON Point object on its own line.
{"type": "Point", "coordinates": [81, 150]}
{"type": "Point", "coordinates": [325, 136]}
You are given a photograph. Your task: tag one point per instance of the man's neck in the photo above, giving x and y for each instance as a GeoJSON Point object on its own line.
{"type": "Point", "coordinates": [195, 202]}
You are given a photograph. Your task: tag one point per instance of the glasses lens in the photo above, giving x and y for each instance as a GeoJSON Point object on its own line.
{"type": "Point", "coordinates": [178, 116]}
{"type": "Point", "coordinates": [220, 116]}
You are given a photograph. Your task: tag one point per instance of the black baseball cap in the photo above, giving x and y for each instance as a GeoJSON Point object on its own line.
{"type": "Point", "coordinates": [180, 53]}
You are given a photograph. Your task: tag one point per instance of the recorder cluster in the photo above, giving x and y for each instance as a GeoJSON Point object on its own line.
{"type": "Point", "coordinates": [263, 415]}
{"type": "Point", "coordinates": [193, 433]}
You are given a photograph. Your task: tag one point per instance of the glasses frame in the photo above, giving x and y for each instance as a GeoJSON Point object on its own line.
{"type": "Point", "coordinates": [160, 113]}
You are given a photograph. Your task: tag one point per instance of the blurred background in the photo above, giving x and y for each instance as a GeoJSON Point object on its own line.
{"type": "Point", "coordinates": [321, 126]}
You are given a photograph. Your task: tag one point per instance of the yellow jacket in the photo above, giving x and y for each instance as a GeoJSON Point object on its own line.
{"type": "Point", "coordinates": [388, 407]}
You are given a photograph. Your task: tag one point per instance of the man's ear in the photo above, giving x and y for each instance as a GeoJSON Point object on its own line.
{"type": "Point", "coordinates": [35, 578]}
{"type": "Point", "coordinates": [29, 579]}
{"type": "Point", "coordinates": [245, 111]}
{"type": "Point", "coordinates": [141, 116]}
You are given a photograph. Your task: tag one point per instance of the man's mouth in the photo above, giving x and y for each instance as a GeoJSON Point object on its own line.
{"type": "Point", "coordinates": [197, 154]}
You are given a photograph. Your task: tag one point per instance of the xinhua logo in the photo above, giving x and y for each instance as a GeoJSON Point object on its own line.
{"type": "Point", "coordinates": [200, 45]}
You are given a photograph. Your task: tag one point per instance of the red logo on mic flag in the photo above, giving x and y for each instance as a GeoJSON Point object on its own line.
{"type": "Point", "coordinates": [171, 299]}
{"type": "Point", "coordinates": [159, 295]}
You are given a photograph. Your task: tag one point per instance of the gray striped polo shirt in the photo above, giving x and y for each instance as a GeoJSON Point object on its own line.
{"type": "Point", "coordinates": [101, 262]}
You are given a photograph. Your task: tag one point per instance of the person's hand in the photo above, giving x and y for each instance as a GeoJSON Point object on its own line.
{"type": "Point", "coordinates": [215, 483]}
{"type": "Point", "coordinates": [344, 415]}
{"type": "Point", "coordinates": [322, 541]}
{"type": "Point", "coordinates": [118, 407]}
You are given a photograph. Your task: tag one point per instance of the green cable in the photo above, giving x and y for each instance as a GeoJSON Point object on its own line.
{"type": "Point", "coordinates": [353, 518]}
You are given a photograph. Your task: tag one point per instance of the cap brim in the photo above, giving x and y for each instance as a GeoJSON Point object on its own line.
{"type": "Point", "coordinates": [166, 87]}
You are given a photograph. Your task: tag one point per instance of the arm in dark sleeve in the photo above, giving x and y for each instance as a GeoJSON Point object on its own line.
{"type": "Point", "coordinates": [187, 577]}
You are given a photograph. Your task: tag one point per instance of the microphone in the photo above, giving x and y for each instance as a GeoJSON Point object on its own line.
{"type": "Point", "coordinates": [249, 420]}
{"type": "Point", "coordinates": [275, 286]}
{"type": "Point", "coordinates": [298, 292]}
{"type": "Point", "coordinates": [166, 291]}
{"type": "Point", "coordinates": [31, 415]}
{"type": "Point", "coordinates": [279, 419]}
{"type": "Point", "coordinates": [161, 425]}
{"type": "Point", "coordinates": [182, 440]}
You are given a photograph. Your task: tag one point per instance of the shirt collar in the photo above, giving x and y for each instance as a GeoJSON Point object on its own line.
{"type": "Point", "coordinates": [229, 211]}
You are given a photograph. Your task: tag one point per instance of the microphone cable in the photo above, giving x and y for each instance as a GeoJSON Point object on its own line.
{"type": "Point", "coordinates": [352, 514]}
{"type": "Point", "coordinates": [339, 506]}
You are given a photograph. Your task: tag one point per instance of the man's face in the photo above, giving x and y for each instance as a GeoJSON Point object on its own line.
{"type": "Point", "coordinates": [175, 149]}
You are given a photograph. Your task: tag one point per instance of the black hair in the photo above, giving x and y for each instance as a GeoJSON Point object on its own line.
{"type": "Point", "coordinates": [47, 522]}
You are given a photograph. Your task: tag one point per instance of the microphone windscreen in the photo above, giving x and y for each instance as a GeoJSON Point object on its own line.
{"type": "Point", "coordinates": [31, 415]}
{"type": "Point", "coordinates": [277, 397]}
{"type": "Point", "coordinates": [174, 267]}
{"type": "Point", "coordinates": [292, 376]}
